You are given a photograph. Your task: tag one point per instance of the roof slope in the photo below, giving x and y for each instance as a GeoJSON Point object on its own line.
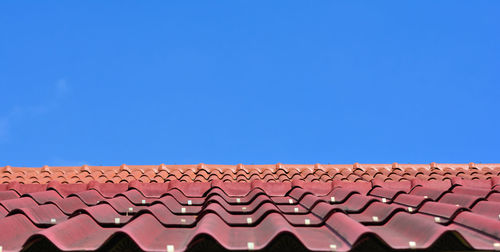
{"type": "Point", "coordinates": [251, 207]}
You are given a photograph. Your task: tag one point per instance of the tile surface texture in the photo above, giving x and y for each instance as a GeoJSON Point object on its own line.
{"type": "Point", "coordinates": [276, 207]}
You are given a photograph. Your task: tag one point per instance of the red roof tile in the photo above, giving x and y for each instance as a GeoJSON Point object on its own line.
{"type": "Point", "coordinates": [242, 207]}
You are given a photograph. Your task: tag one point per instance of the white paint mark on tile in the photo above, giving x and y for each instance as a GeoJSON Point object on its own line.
{"type": "Point", "coordinates": [143, 201]}
{"type": "Point", "coordinates": [238, 200]}
{"type": "Point", "coordinates": [307, 221]}
{"type": "Point", "coordinates": [249, 220]}
{"type": "Point", "coordinates": [333, 247]}
{"type": "Point", "coordinates": [384, 200]}
{"type": "Point", "coordinates": [437, 219]}
{"type": "Point", "coordinates": [410, 209]}
{"type": "Point", "coordinates": [251, 246]}
{"type": "Point", "coordinates": [170, 248]}
{"type": "Point", "coordinates": [290, 201]}
{"type": "Point", "coordinates": [375, 218]}
{"type": "Point", "coordinates": [412, 244]}
{"type": "Point", "coordinates": [332, 199]}
{"type": "Point", "coordinates": [117, 221]}
{"type": "Point", "coordinates": [183, 209]}
{"type": "Point", "coordinates": [190, 202]}
{"type": "Point", "coordinates": [296, 209]}
{"type": "Point", "coordinates": [53, 221]}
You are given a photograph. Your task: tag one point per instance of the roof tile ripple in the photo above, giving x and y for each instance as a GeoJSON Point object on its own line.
{"type": "Point", "coordinates": [251, 207]}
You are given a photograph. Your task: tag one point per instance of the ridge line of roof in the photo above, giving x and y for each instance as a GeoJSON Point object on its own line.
{"type": "Point", "coordinates": [267, 166]}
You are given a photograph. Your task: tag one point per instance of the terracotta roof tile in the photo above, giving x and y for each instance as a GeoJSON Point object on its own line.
{"type": "Point", "coordinates": [249, 207]}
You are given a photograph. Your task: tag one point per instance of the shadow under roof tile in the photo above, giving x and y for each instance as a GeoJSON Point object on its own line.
{"type": "Point", "coordinates": [72, 180]}
{"type": "Point", "coordinates": [430, 193]}
{"type": "Point", "coordinates": [272, 188]}
{"type": "Point", "coordinates": [495, 188]}
{"type": "Point", "coordinates": [410, 200]}
{"type": "Point", "coordinates": [317, 188]}
{"type": "Point", "coordinates": [42, 215]}
{"type": "Point", "coordinates": [144, 179]}
{"type": "Point", "coordinates": [108, 190]}
{"type": "Point", "coordinates": [440, 209]}
{"type": "Point", "coordinates": [487, 208]}
{"type": "Point", "coordinates": [360, 186]}
{"type": "Point", "coordinates": [309, 201]}
{"type": "Point", "coordinates": [135, 197]}
{"type": "Point", "coordinates": [459, 199]}
{"type": "Point", "coordinates": [355, 203]}
{"type": "Point", "coordinates": [44, 197]}
{"type": "Point", "coordinates": [127, 179]}
{"type": "Point", "coordinates": [150, 173]}
{"type": "Point", "coordinates": [479, 223]}
{"type": "Point", "coordinates": [385, 192]}
{"type": "Point", "coordinates": [483, 193]}
{"type": "Point", "coordinates": [340, 194]}
{"type": "Point", "coordinates": [299, 220]}
{"type": "Point", "coordinates": [122, 205]}
{"type": "Point", "coordinates": [176, 237]}
{"type": "Point", "coordinates": [250, 218]}
{"type": "Point", "coordinates": [89, 197]}
{"type": "Point", "coordinates": [405, 230]}
{"type": "Point", "coordinates": [174, 206]}
{"type": "Point", "coordinates": [232, 189]}
{"type": "Point", "coordinates": [15, 238]}
{"type": "Point", "coordinates": [346, 227]}
{"type": "Point", "coordinates": [106, 215]}
{"type": "Point", "coordinates": [23, 202]}
{"type": "Point", "coordinates": [168, 218]}
{"type": "Point", "coordinates": [476, 240]}
{"type": "Point", "coordinates": [101, 179]}
{"type": "Point", "coordinates": [353, 177]}
{"type": "Point", "coordinates": [376, 213]}
{"type": "Point", "coordinates": [396, 185]}
{"type": "Point", "coordinates": [195, 189]}
{"type": "Point", "coordinates": [247, 207]}
{"type": "Point", "coordinates": [494, 197]}
{"type": "Point", "coordinates": [472, 183]}
{"type": "Point", "coordinates": [66, 189]}
{"type": "Point", "coordinates": [150, 189]}
{"type": "Point", "coordinates": [183, 199]}
{"type": "Point", "coordinates": [158, 179]}
{"type": "Point", "coordinates": [394, 177]}
{"type": "Point", "coordinates": [69, 205]}
{"type": "Point", "coordinates": [26, 188]}
{"type": "Point", "coordinates": [78, 233]}
{"type": "Point", "coordinates": [232, 199]}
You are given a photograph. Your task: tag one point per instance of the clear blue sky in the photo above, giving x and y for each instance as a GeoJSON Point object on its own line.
{"type": "Point", "coordinates": [249, 82]}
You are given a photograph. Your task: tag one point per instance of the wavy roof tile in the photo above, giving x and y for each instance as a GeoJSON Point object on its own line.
{"type": "Point", "coordinates": [251, 207]}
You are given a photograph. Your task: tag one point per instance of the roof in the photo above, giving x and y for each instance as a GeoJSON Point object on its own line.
{"type": "Point", "coordinates": [241, 173]}
{"type": "Point", "coordinates": [251, 207]}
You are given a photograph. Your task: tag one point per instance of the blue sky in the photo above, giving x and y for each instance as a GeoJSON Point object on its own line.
{"type": "Point", "coordinates": [232, 82]}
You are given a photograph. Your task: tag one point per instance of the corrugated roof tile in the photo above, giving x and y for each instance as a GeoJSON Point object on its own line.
{"type": "Point", "coordinates": [320, 207]}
